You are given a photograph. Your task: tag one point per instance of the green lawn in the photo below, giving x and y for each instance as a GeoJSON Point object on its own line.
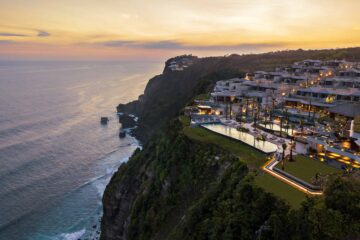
{"type": "Point", "coordinates": [357, 124]}
{"type": "Point", "coordinates": [254, 159]}
{"type": "Point", "coordinates": [306, 168]}
{"type": "Point", "coordinates": [280, 189]}
{"type": "Point", "coordinates": [246, 153]}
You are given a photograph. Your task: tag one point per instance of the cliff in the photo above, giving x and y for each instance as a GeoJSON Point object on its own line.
{"type": "Point", "coordinates": [180, 188]}
{"type": "Point", "coordinates": [173, 183]}
{"type": "Point", "coordinates": [167, 93]}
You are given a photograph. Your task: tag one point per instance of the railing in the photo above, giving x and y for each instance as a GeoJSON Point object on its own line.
{"type": "Point", "coordinates": [298, 180]}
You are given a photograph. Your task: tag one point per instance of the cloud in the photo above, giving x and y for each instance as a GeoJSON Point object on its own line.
{"type": "Point", "coordinates": [163, 45]}
{"type": "Point", "coordinates": [7, 34]}
{"type": "Point", "coordinates": [43, 33]}
{"type": "Point", "coordinates": [149, 45]}
{"type": "Point", "coordinates": [175, 45]}
{"type": "Point", "coordinates": [40, 33]}
{"type": "Point", "coordinates": [118, 43]}
{"type": "Point", "coordinates": [6, 42]}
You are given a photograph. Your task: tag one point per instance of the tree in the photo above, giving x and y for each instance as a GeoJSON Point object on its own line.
{"type": "Point", "coordinates": [226, 110]}
{"type": "Point", "coordinates": [240, 112]}
{"type": "Point", "coordinates": [284, 146]}
{"type": "Point", "coordinates": [265, 115]}
{"type": "Point", "coordinates": [292, 126]}
{"type": "Point", "coordinates": [302, 126]}
{"type": "Point", "coordinates": [292, 143]}
{"type": "Point", "coordinates": [343, 194]}
{"type": "Point", "coordinates": [247, 107]}
{"type": "Point", "coordinates": [291, 159]}
{"type": "Point", "coordinates": [310, 106]}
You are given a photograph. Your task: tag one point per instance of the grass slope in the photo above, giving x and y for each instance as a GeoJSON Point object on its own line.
{"type": "Point", "coordinates": [254, 159]}
{"type": "Point", "coordinates": [306, 168]}
{"type": "Point", "coordinates": [246, 154]}
{"type": "Point", "coordinates": [280, 189]}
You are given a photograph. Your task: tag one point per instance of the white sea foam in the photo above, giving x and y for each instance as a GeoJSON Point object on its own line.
{"type": "Point", "coordinates": [73, 235]}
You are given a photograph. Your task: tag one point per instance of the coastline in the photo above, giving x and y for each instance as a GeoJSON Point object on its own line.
{"type": "Point", "coordinates": [54, 151]}
{"type": "Point", "coordinates": [93, 230]}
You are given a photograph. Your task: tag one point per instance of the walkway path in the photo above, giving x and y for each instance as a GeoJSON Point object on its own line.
{"type": "Point", "coordinates": [268, 168]}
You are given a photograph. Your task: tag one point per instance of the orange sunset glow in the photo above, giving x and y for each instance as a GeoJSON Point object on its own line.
{"type": "Point", "coordinates": [113, 29]}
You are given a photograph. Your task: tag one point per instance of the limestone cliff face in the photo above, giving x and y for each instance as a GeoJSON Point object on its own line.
{"type": "Point", "coordinates": [149, 195]}
{"type": "Point", "coordinates": [117, 207]}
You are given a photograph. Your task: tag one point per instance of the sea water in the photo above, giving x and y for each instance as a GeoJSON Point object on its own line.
{"type": "Point", "coordinates": [55, 156]}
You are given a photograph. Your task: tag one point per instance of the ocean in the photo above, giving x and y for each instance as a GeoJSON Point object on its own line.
{"type": "Point", "coordinates": [55, 156]}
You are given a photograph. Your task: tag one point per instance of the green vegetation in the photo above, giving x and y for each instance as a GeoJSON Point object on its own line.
{"type": "Point", "coordinates": [192, 184]}
{"type": "Point", "coordinates": [182, 186]}
{"type": "Point", "coordinates": [253, 158]}
{"type": "Point", "coordinates": [357, 124]}
{"type": "Point", "coordinates": [185, 120]}
{"type": "Point", "coordinates": [167, 93]}
{"type": "Point", "coordinates": [235, 206]}
{"type": "Point", "coordinates": [203, 96]}
{"type": "Point", "coordinates": [306, 168]}
{"type": "Point", "coordinates": [245, 153]}
{"type": "Point", "coordinates": [233, 209]}
{"type": "Point", "coordinates": [280, 189]}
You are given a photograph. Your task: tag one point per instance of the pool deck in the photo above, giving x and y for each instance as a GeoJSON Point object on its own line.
{"type": "Point", "coordinates": [270, 166]}
{"type": "Point", "coordinates": [259, 148]}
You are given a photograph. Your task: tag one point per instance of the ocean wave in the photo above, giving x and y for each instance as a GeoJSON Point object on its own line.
{"type": "Point", "coordinates": [71, 236]}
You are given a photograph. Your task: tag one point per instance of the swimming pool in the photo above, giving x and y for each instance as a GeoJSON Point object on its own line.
{"type": "Point", "coordinates": [276, 127]}
{"type": "Point", "coordinates": [264, 146]}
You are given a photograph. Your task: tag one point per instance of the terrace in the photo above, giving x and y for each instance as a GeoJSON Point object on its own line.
{"type": "Point", "coordinates": [308, 93]}
{"type": "Point", "coordinates": [327, 149]}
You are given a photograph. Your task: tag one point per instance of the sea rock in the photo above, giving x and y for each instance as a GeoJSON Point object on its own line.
{"type": "Point", "coordinates": [127, 121]}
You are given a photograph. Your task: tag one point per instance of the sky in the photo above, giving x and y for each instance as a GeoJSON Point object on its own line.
{"type": "Point", "coordinates": [158, 29]}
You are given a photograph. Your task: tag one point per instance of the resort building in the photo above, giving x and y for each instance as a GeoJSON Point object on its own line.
{"type": "Point", "coordinates": [304, 91]}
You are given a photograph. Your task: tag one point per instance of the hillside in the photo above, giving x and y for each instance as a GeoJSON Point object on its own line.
{"type": "Point", "coordinates": [178, 187]}
{"type": "Point", "coordinates": [167, 93]}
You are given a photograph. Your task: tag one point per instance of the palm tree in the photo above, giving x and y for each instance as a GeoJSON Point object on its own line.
{"type": "Point", "coordinates": [314, 112]}
{"type": "Point", "coordinates": [226, 110]}
{"type": "Point", "coordinates": [284, 146]}
{"type": "Point", "coordinates": [255, 121]}
{"type": "Point", "coordinates": [265, 115]}
{"type": "Point", "coordinates": [309, 109]}
{"type": "Point", "coordinates": [231, 102]}
{"type": "Point", "coordinates": [291, 151]}
{"type": "Point", "coordinates": [240, 112]}
{"type": "Point", "coordinates": [247, 107]}
{"type": "Point", "coordinates": [302, 126]}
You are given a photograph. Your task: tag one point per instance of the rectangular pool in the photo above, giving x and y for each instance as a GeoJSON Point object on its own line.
{"type": "Point", "coordinates": [264, 146]}
{"type": "Point", "coordinates": [276, 127]}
